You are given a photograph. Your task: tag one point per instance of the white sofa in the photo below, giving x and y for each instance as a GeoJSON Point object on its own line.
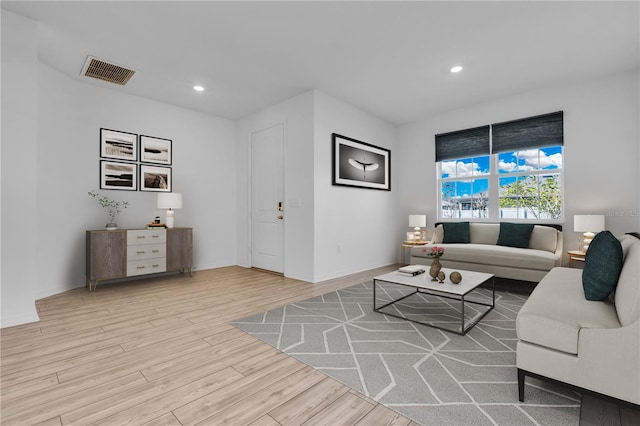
{"type": "Point", "coordinates": [592, 345]}
{"type": "Point", "coordinates": [482, 254]}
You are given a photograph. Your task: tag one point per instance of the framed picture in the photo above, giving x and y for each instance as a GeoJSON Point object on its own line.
{"type": "Point", "coordinates": [360, 164]}
{"type": "Point", "coordinates": [155, 150]}
{"type": "Point", "coordinates": [118, 145]}
{"type": "Point", "coordinates": [117, 175]}
{"type": "Point", "coordinates": [156, 179]}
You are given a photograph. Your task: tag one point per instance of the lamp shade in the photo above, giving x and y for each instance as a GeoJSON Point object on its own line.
{"type": "Point", "coordinates": [417, 220]}
{"type": "Point", "coordinates": [169, 200]}
{"type": "Point", "coordinates": [588, 223]}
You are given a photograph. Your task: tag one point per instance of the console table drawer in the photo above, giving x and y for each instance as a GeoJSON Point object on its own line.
{"type": "Point", "coordinates": [146, 236]}
{"type": "Point", "coordinates": [146, 266]}
{"type": "Point", "coordinates": [146, 251]}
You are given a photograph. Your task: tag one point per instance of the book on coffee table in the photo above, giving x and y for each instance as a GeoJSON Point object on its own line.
{"type": "Point", "coordinates": [411, 270]}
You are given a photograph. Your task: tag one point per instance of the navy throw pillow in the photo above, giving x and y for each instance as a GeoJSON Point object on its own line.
{"type": "Point", "coordinates": [456, 232]}
{"type": "Point", "coordinates": [515, 234]}
{"type": "Point", "coordinates": [602, 266]}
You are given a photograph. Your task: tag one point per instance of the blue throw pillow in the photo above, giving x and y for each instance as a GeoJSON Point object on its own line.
{"type": "Point", "coordinates": [515, 234]}
{"type": "Point", "coordinates": [602, 266]}
{"type": "Point", "coordinates": [456, 232]}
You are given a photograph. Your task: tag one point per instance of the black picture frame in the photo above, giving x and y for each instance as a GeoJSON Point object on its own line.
{"type": "Point", "coordinates": [118, 145]}
{"type": "Point", "coordinates": [155, 178]}
{"type": "Point", "coordinates": [118, 175]}
{"type": "Point", "coordinates": [360, 164]}
{"type": "Point", "coordinates": [155, 150]}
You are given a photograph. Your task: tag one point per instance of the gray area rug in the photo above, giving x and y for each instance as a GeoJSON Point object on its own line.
{"type": "Point", "coordinates": [431, 376]}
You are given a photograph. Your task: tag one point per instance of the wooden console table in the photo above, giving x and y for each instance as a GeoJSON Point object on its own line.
{"type": "Point", "coordinates": [132, 252]}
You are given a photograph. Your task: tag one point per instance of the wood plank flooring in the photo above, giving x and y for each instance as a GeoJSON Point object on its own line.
{"type": "Point", "coordinates": [160, 351]}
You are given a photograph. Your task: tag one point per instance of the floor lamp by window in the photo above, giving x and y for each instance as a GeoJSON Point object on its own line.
{"type": "Point", "coordinates": [169, 201]}
{"type": "Point", "coordinates": [589, 225]}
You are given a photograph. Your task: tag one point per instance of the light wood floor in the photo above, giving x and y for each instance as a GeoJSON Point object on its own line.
{"type": "Point", "coordinates": [161, 352]}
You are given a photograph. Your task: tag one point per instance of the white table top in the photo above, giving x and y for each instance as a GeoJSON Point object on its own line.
{"type": "Point", "coordinates": [470, 280]}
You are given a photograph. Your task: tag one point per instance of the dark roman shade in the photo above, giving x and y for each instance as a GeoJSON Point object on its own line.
{"type": "Point", "coordinates": [525, 133]}
{"type": "Point", "coordinates": [462, 143]}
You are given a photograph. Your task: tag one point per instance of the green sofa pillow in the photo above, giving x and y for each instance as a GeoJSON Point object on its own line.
{"type": "Point", "coordinates": [602, 266]}
{"type": "Point", "coordinates": [515, 234]}
{"type": "Point", "coordinates": [457, 232]}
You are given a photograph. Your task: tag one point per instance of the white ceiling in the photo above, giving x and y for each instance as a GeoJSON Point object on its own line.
{"type": "Point", "coordinates": [391, 59]}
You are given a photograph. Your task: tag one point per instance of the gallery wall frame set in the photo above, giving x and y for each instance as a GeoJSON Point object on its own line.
{"type": "Point", "coordinates": [360, 164]}
{"type": "Point", "coordinates": [127, 148]}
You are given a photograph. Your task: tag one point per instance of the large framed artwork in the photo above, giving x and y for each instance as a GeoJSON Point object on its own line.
{"type": "Point", "coordinates": [155, 150]}
{"type": "Point", "coordinates": [155, 179]}
{"type": "Point", "coordinates": [359, 164]}
{"type": "Point", "coordinates": [118, 175]}
{"type": "Point", "coordinates": [118, 145]}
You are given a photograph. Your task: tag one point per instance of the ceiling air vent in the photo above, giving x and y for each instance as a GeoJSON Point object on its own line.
{"type": "Point", "coordinates": [97, 68]}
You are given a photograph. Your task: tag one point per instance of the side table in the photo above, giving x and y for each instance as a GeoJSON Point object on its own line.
{"type": "Point", "coordinates": [409, 244]}
{"type": "Point", "coordinates": [575, 256]}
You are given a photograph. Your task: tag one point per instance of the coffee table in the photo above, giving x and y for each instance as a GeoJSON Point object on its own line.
{"type": "Point", "coordinates": [423, 285]}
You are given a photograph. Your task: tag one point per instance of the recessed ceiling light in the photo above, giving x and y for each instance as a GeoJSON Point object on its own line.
{"type": "Point", "coordinates": [198, 88]}
{"type": "Point", "coordinates": [457, 68]}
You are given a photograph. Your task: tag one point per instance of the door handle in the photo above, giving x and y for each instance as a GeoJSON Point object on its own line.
{"type": "Point", "coordinates": [280, 216]}
{"type": "Point", "coordinates": [281, 206]}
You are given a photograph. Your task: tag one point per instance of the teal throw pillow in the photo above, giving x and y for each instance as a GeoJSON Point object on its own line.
{"type": "Point", "coordinates": [602, 266]}
{"type": "Point", "coordinates": [457, 232]}
{"type": "Point", "coordinates": [515, 234]}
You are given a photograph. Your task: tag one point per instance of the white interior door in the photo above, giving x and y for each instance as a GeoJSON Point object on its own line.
{"type": "Point", "coordinates": [267, 199]}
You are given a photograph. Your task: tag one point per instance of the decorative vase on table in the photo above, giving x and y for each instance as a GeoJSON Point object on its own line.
{"type": "Point", "coordinates": [113, 208]}
{"type": "Point", "coordinates": [436, 266]}
{"type": "Point", "coordinates": [434, 252]}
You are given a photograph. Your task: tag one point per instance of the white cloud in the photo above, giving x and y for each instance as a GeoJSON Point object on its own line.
{"type": "Point", "coordinates": [530, 157]}
{"type": "Point", "coordinates": [551, 160]}
{"type": "Point", "coordinates": [507, 167]}
{"type": "Point", "coordinates": [460, 169]}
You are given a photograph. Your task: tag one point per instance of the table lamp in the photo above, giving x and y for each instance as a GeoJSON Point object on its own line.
{"type": "Point", "coordinates": [589, 225]}
{"type": "Point", "coordinates": [169, 201]}
{"type": "Point", "coordinates": [416, 221]}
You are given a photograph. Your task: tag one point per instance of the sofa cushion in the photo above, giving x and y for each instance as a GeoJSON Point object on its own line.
{"type": "Point", "coordinates": [496, 255]}
{"type": "Point", "coordinates": [627, 296]}
{"type": "Point", "coordinates": [456, 232]}
{"type": "Point", "coordinates": [438, 235]}
{"type": "Point", "coordinates": [544, 238]}
{"type": "Point", "coordinates": [514, 234]}
{"type": "Point", "coordinates": [602, 266]}
{"type": "Point", "coordinates": [556, 311]}
{"type": "Point", "coordinates": [484, 233]}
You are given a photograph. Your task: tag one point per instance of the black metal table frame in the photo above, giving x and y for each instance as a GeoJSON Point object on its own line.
{"type": "Point", "coordinates": [463, 329]}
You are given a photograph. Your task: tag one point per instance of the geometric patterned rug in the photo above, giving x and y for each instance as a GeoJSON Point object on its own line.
{"type": "Point", "coordinates": [429, 375]}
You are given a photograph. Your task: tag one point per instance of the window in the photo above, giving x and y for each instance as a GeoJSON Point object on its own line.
{"type": "Point", "coordinates": [519, 177]}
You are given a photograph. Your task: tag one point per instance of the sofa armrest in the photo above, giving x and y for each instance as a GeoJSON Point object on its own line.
{"type": "Point", "coordinates": [609, 361]}
{"type": "Point", "coordinates": [559, 249]}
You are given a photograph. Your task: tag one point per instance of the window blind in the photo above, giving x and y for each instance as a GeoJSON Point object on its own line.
{"type": "Point", "coordinates": [530, 132]}
{"type": "Point", "coordinates": [462, 143]}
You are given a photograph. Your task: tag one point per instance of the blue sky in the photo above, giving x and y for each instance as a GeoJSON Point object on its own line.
{"type": "Point", "coordinates": [478, 168]}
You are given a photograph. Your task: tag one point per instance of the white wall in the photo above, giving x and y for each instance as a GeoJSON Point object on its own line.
{"type": "Point", "coordinates": [600, 156]}
{"type": "Point", "coordinates": [297, 115]}
{"type": "Point", "coordinates": [359, 220]}
{"type": "Point", "coordinates": [50, 138]}
{"type": "Point", "coordinates": [70, 117]}
{"type": "Point", "coordinates": [19, 224]}
{"type": "Point", "coordinates": [354, 228]}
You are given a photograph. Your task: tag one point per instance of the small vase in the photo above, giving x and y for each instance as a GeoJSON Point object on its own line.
{"type": "Point", "coordinates": [436, 266]}
{"type": "Point", "coordinates": [111, 226]}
